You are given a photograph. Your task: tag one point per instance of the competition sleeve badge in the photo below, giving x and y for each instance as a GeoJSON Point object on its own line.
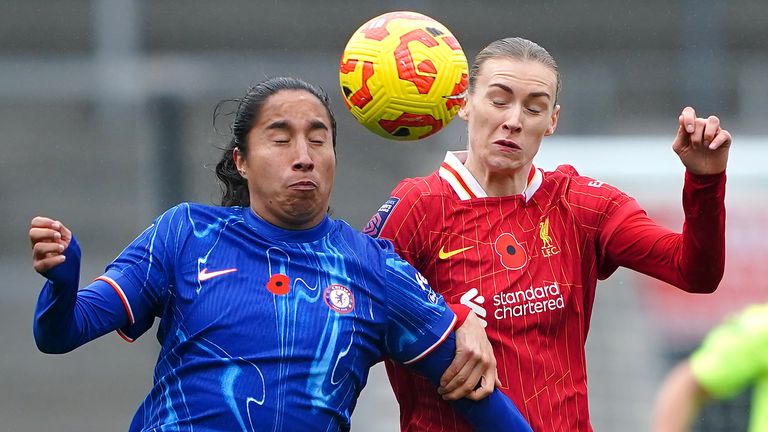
{"type": "Point", "coordinates": [379, 219]}
{"type": "Point", "coordinates": [339, 298]}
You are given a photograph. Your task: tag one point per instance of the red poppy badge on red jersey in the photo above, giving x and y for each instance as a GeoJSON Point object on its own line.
{"type": "Point", "coordinates": [512, 254]}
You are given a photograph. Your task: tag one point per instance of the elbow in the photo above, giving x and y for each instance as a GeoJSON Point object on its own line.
{"type": "Point", "coordinates": [50, 344]}
{"type": "Point", "coordinates": [704, 283]}
{"type": "Point", "coordinates": [710, 288]}
{"type": "Point", "coordinates": [704, 289]}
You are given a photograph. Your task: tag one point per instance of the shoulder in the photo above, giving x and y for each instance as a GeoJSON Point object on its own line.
{"type": "Point", "coordinates": [581, 187]}
{"type": "Point", "coordinates": [202, 213]}
{"type": "Point", "coordinates": [430, 185]}
{"type": "Point", "coordinates": [202, 210]}
{"type": "Point", "coordinates": [188, 214]}
{"type": "Point", "coordinates": [420, 192]}
{"type": "Point", "coordinates": [360, 241]}
{"type": "Point", "coordinates": [411, 197]}
{"type": "Point", "coordinates": [374, 251]}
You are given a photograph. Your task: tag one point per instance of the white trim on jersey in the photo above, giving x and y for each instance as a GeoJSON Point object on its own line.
{"type": "Point", "coordinates": [455, 160]}
{"type": "Point", "coordinates": [434, 345]}
{"type": "Point", "coordinates": [123, 299]}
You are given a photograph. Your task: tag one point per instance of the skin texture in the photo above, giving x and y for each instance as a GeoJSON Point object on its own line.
{"type": "Point", "coordinates": [290, 161]}
{"type": "Point", "coordinates": [508, 113]}
{"type": "Point", "coordinates": [679, 401]}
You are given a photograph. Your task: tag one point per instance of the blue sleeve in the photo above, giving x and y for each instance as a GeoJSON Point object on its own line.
{"type": "Point", "coordinates": [494, 413]}
{"type": "Point", "coordinates": [66, 318]}
{"type": "Point", "coordinates": [418, 317]}
{"type": "Point", "coordinates": [143, 273]}
{"type": "Point", "coordinates": [126, 298]}
{"type": "Point", "coordinates": [420, 335]}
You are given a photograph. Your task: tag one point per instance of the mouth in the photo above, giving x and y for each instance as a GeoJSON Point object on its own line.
{"type": "Point", "coordinates": [507, 145]}
{"type": "Point", "coordinates": [303, 185]}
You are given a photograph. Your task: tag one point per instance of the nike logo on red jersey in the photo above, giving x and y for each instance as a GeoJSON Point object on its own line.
{"type": "Point", "coordinates": [442, 254]}
{"type": "Point", "coordinates": [203, 275]}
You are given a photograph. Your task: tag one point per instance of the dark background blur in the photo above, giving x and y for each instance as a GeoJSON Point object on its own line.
{"type": "Point", "coordinates": [106, 119]}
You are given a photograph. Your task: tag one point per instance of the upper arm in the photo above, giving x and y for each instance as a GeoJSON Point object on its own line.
{"type": "Point", "coordinates": [142, 274]}
{"type": "Point", "coordinates": [401, 220]}
{"type": "Point", "coordinates": [418, 319]}
{"type": "Point", "coordinates": [601, 210]}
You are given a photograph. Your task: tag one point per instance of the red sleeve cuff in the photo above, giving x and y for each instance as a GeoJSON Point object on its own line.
{"type": "Point", "coordinates": [461, 311]}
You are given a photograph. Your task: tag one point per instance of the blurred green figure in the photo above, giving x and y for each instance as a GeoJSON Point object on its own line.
{"type": "Point", "coordinates": [733, 356]}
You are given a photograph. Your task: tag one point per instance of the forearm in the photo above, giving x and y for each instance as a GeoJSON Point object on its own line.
{"type": "Point", "coordinates": [692, 261]}
{"type": "Point", "coordinates": [496, 412]}
{"type": "Point", "coordinates": [703, 251]}
{"type": "Point", "coordinates": [678, 402]}
{"type": "Point", "coordinates": [66, 318]}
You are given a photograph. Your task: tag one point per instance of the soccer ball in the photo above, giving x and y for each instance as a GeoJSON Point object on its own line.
{"type": "Point", "coordinates": [403, 75]}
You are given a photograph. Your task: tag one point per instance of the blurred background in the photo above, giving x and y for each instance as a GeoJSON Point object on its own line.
{"type": "Point", "coordinates": [106, 119]}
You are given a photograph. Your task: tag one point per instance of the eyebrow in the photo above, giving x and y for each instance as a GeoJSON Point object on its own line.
{"type": "Point", "coordinates": [283, 125]}
{"type": "Point", "coordinates": [508, 89]}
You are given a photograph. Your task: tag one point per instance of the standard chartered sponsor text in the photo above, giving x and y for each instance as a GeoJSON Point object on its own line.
{"type": "Point", "coordinates": [526, 302]}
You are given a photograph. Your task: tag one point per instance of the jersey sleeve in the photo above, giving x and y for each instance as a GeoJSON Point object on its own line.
{"type": "Point", "coordinates": [144, 271]}
{"type": "Point", "coordinates": [418, 317]}
{"type": "Point", "coordinates": [600, 209]}
{"type": "Point", "coordinates": [126, 298]}
{"type": "Point", "coordinates": [733, 354]}
{"type": "Point", "coordinates": [401, 220]}
{"type": "Point", "coordinates": [693, 260]}
{"type": "Point", "coordinates": [66, 318]}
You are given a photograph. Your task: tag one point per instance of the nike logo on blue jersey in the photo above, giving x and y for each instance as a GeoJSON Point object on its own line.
{"type": "Point", "coordinates": [203, 275]}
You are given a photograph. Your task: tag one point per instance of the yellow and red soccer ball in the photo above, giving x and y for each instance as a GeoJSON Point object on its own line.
{"type": "Point", "coordinates": [403, 75]}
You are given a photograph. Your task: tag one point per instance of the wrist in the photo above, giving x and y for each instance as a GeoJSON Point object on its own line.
{"type": "Point", "coordinates": [461, 311]}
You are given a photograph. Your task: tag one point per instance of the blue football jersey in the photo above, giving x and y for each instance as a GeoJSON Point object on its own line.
{"type": "Point", "coordinates": [267, 329]}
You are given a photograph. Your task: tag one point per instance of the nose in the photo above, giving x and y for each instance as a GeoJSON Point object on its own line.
{"type": "Point", "coordinates": [303, 159]}
{"type": "Point", "coordinates": [513, 121]}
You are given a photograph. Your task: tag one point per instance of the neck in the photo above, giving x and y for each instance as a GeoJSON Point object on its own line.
{"type": "Point", "coordinates": [289, 223]}
{"type": "Point", "coordinates": [500, 183]}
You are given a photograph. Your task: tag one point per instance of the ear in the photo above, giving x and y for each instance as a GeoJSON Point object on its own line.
{"type": "Point", "coordinates": [553, 121]}
{"type": "Point", "coordinates": [239, 160]}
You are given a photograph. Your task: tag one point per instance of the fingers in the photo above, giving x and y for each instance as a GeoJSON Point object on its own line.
{"type": "Point", "coordinates": [464, 383]}
{"type": "Point", "coordinates": [722, 139]}
{"type": "Point", "coordinates": [485, 387]}
{"type": "Point", "coordinates": [711, 127]}
{"type": "Point", "coordinates": [46, 229]}
{"type": "Point", "coordinates": [46, 255]}
{"type": "Point", "coordinates": [701, 131]}
{"type": "Point", "coordinates": [49, 239]}
{"type": "Point", "coordinates": [471, 375]}
{"type": "Point", "coordinates": [457, 372]}
{"type": "Point", "coordinates": [37, 235]}
{"type": "Point", "coordinates": [687, 119]}
{"type": "Point", "coordinates": [44, 222]}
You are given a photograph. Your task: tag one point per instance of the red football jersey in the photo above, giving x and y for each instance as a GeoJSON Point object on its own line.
{"type": "Point", "coordinates": [527, 265]}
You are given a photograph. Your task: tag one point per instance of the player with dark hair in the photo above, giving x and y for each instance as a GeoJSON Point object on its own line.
{"type": "Point", "coordinates": [271, 313]}
{"type": "Point", "coordinates": [524, 248]}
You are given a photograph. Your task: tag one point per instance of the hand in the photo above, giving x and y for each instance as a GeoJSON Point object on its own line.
{"type": "Point", "coordinates": [472, 374]}
{"type": "Point", "coordinates": [701, 144]}
{"type": "Point", "coordinates": [49, 241]}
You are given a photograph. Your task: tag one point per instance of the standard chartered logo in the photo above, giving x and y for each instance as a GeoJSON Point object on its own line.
{"type": "Point", "coordinates": [528, 302]}
{"type": "Point", "coordinates": [513, 304]}
{"type": "Point", "coordinates": [474, 301]}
